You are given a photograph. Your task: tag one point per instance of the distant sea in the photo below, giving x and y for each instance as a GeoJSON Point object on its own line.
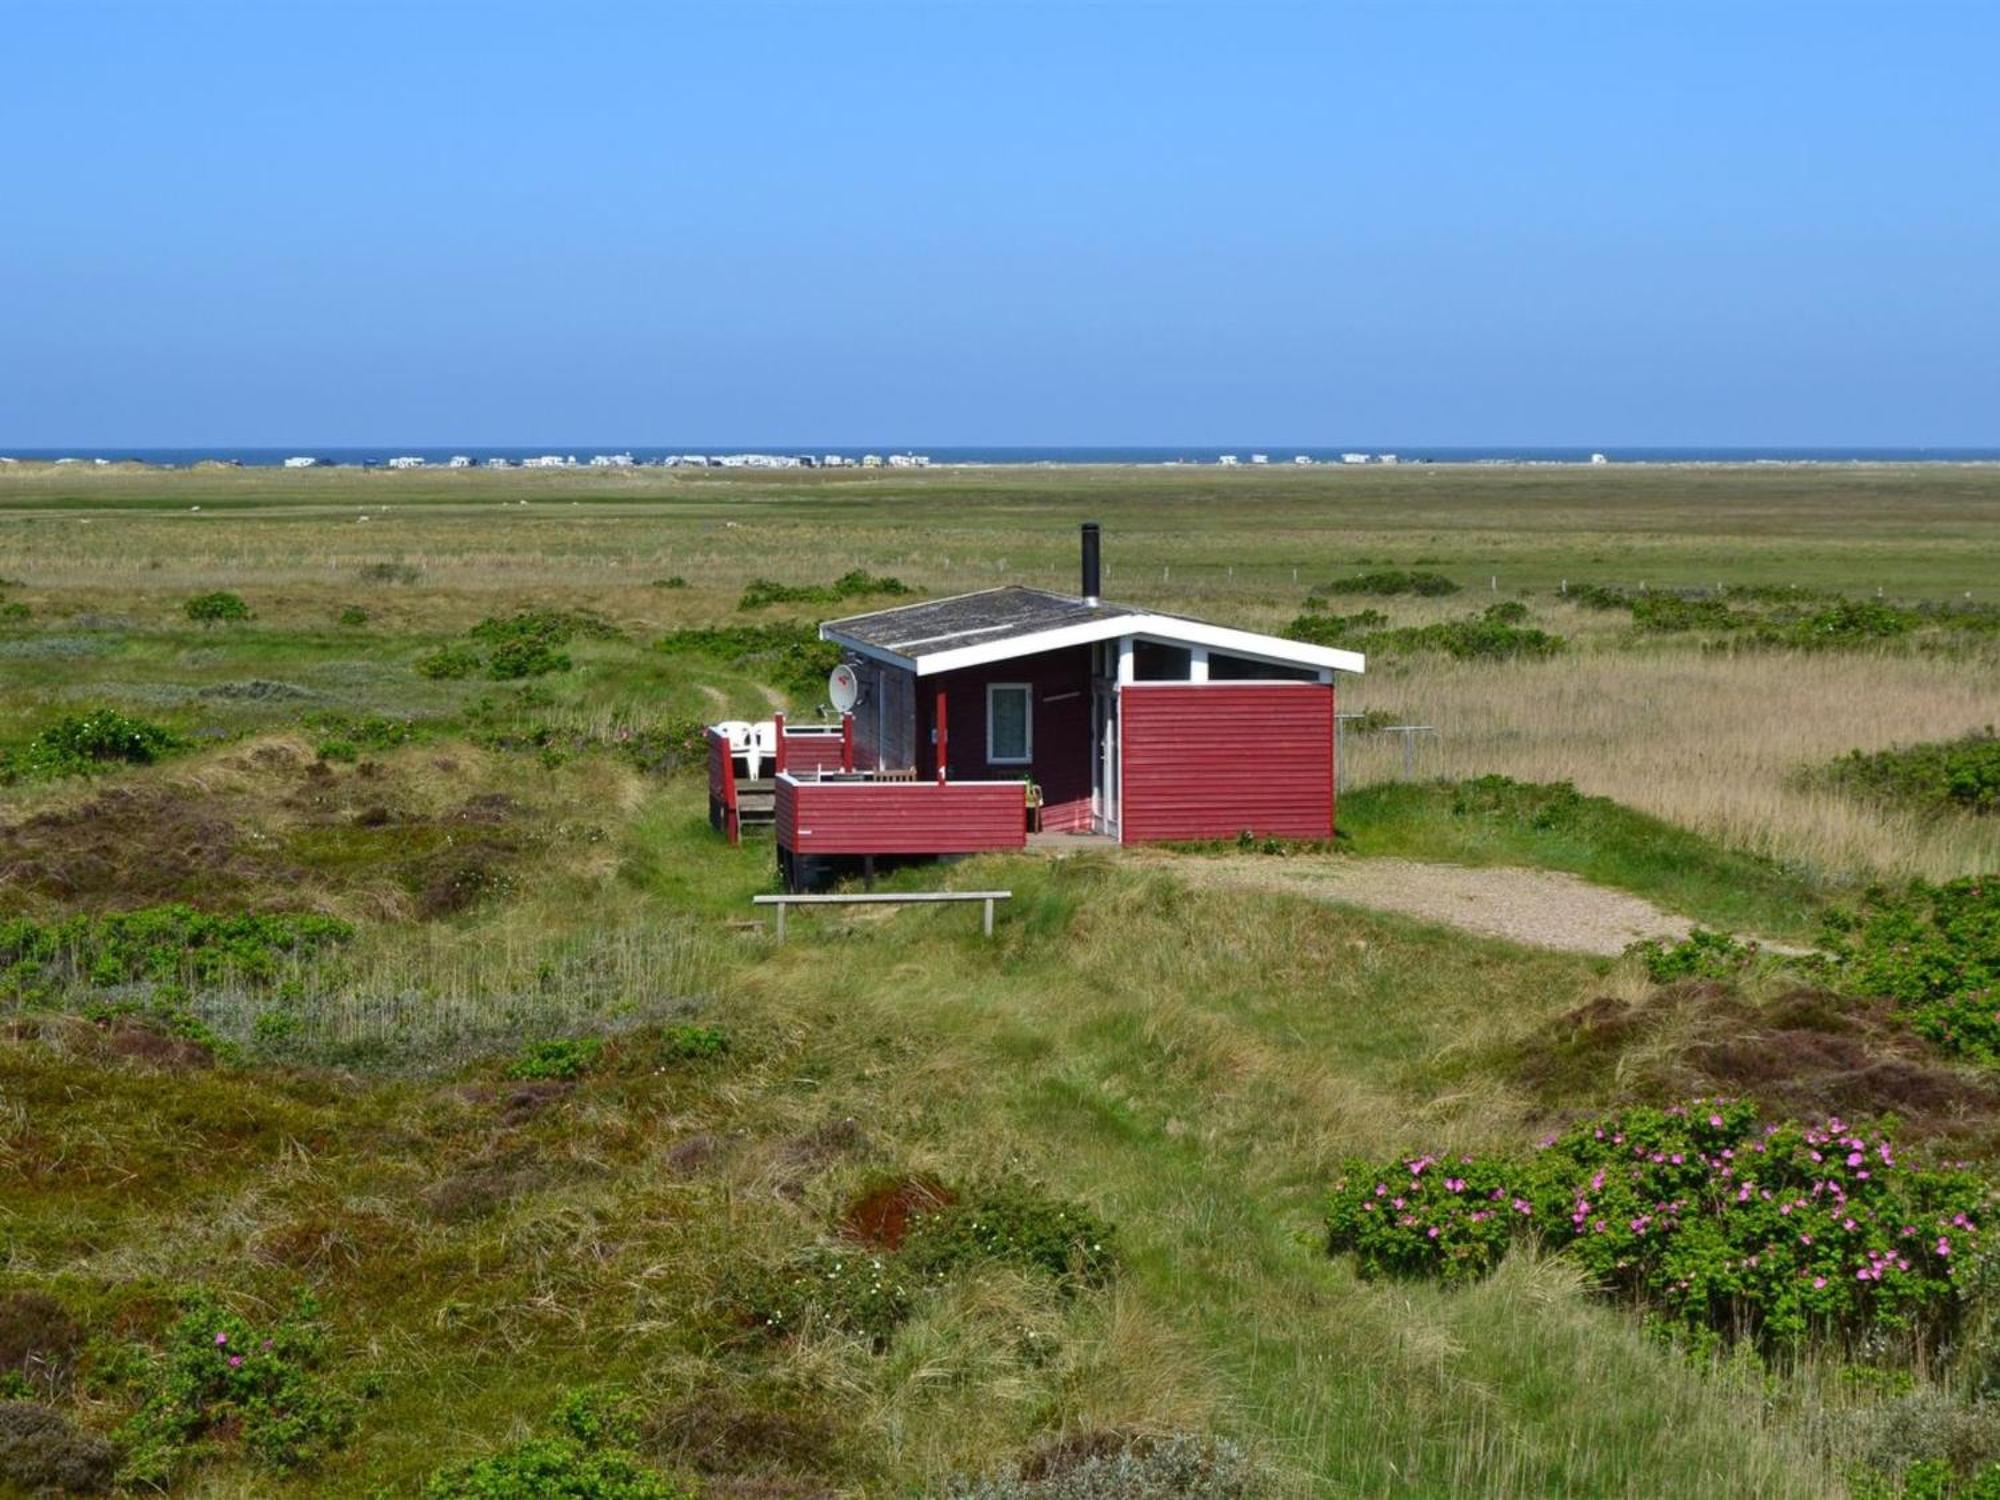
{"type": "Point", "coordinates": [1278, 454]}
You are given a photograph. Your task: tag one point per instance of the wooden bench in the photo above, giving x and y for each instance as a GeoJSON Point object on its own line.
{"type": "Point", "coordinates": [868, 898]}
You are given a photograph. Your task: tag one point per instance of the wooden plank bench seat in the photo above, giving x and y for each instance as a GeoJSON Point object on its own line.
{"type": "Point", "coordinates": [878, 898]}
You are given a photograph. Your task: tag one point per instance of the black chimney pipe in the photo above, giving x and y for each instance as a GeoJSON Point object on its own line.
{"type": "Point", "coordinates": [1091, 586]}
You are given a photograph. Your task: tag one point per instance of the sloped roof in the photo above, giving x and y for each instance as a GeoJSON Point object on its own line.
{"type": "Point", "coordinates": [937, 625]}
{"type": "Point", "coordinates": [943, 635]}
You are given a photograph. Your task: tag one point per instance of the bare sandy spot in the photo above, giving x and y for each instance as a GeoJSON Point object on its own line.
{"type": "Point", "coordinates": [1540, 908]}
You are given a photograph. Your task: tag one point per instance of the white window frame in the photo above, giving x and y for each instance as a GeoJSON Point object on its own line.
{"type": "Point", "coordinates": [1027, 692]}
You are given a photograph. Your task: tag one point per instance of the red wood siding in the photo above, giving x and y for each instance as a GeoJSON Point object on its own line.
{"type": "Point", "coordinates": [1060, 686]}
{"type": "Point", "coordinates": [811, 752]}
{"type": "Point", "coordinates": [900, 817]}
{"type": "Point", "coordinates": [1208, 760]}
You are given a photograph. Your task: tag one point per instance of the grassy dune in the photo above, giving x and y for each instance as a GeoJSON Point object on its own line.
{"type": "Point", "coordinates": [521, 862]}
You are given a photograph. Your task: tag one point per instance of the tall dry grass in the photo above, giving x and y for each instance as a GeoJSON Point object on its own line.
{"type": "Point", "coordinates": [1711, 741]}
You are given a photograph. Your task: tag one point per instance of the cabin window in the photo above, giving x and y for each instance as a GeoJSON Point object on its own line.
{"type": "Point", "coordinates": [1010, 724]}
{"type": "Point", "coordinates": [1155, 661]}
{"type": "Point", "coordinates": [1224, 668]}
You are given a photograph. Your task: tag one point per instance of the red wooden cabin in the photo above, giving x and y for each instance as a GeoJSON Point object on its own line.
{"type": "Point", "coordinates": [982, 716]}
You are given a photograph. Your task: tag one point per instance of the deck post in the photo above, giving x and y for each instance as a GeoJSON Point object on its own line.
{"type": "Point", "coordinates": [778, 748]}
{"type": "Point", "coordinates": [847, 742]}
{"type": "Point", "coordinates": [732, 814]}
{"type": "Point", "coordinates": [943, 740]}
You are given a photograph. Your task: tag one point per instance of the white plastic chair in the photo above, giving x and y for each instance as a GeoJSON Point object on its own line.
{"type": "Point", "coordinates": [737, 734]}
{"type": "Point", "coordinates": [761, 742]}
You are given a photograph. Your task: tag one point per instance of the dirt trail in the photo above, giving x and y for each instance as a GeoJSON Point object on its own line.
{"type": "Point", "coordinates": [1537, 907]}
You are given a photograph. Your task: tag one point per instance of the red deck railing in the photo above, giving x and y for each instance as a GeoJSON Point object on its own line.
{"type": "Point", "coordinates": [863, 814]}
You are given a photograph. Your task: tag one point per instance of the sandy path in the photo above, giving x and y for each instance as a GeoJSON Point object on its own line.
{"type": "Point", "coordinates": [1538, 907]}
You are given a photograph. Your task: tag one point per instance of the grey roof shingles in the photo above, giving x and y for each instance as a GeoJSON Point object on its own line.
{"type": "Point", "coordinates": [915, 630]}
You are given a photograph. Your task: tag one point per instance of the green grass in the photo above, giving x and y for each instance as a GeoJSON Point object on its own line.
{"type": "Point", "coordinates": [1194, 1094]}
{"type": "Point", "coordinates": [1502, 822]}
{"type": "Point", "coordinates": [1190, 1063]}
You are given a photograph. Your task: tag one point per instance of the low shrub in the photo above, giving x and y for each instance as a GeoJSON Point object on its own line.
{"type": "Point", "coordinates": [1721, 1227]}
{"type": "Point", "coordinates": [1932, 949]}
{"type": "Point", "coordinates": [339, 736]}
{"type": "Point", "coordinates": [354, 614]}
{"type": "Point", "coordinates": [586, 1455]}
{"type": "Point", "coordinates": [861, 1292]}
{"type": "Point", "coordinates": [550, 627]}
{"type": "Point", "coordinates": [1392, 581]}
{"type": "Point", "coordinates": [219, 608]}
{"type": "Point", "coordinates": [516, 659]}
{"type": "Point", "coordinates": [218, 1375]}
{"type": "Point", "coordinates": [449, 663]}
{"type": "Point", "coordinates": [562, 1059]}
{"type": "Point", "coordinates": [1492, 635]}
{"type": "Point", "coordinates": [1671, 613]}
{"type": "Point", "coordinates": [856, 584]}
{"type": "Point", "coordinates": [1350, 631]}
{"type": "Point", "coordinates": [172, 944]}
{"type": "Point", "coordinates": [675, 582]}
{"type": "Point", "coordinates": [518, 646]}
{"type": "Point", "coordinates": [13, 612]}
{"type": "Point", "coordinates": [1961, 775]}
{"type": "Point", "coordinates": [1702, 954]}
{"type": "Point", "coordinates": [1846, 625]}
{"type": "Point", "coordinates": [1013, 1225]}
{"type": "Point", "coordinates": [1108, 1467]}
{"type": "Point", "coordinates": [83, 744]}
{"type": "Point", "coordinates": [686, 1042]}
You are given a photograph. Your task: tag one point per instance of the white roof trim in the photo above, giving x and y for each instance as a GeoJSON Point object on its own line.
{"type": "Point", "coordinates": [1158, 627]}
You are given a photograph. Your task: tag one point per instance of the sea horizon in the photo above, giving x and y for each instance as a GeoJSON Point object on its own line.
{"type": "Point", "coordinates": [376, 455]}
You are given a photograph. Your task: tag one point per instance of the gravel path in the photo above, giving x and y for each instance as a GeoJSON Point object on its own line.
{"type": "Point", "coordinates": [1538, 907]}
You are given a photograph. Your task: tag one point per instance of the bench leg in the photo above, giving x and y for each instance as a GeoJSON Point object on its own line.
{"type": "Point", "coordinates": [780, 910]}
{"type": "Point", "coordinates": [987, 916]}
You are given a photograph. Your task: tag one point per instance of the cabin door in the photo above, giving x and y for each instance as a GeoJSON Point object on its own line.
{"type": "Point", "coordinates": [1104, 757]}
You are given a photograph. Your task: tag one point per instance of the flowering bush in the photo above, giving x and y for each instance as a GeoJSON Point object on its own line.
{"type": "Point", "coordinates": [861, 1292]}
{"type": "Point", "coordinates": [218, 1376]}
{"type": "Point", "coordinates": [1015, 1226]}
{"type": "Point", "coordinates": [84, 744]}
{"type": "Point", "coordinates": [1724, 1227]}
{"type": "Point", "coordinates": [1935, 951]}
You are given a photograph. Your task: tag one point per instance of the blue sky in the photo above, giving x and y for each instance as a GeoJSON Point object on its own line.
{"type": "Point", "coordinates": [952, 223]}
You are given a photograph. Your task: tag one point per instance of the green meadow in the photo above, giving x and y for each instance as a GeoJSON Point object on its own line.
{"type": "Point", "coordinates": [375, 998]}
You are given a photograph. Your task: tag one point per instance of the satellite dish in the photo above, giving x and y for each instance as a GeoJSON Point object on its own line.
{"type": "Point", "coordinates": [843, 688]}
